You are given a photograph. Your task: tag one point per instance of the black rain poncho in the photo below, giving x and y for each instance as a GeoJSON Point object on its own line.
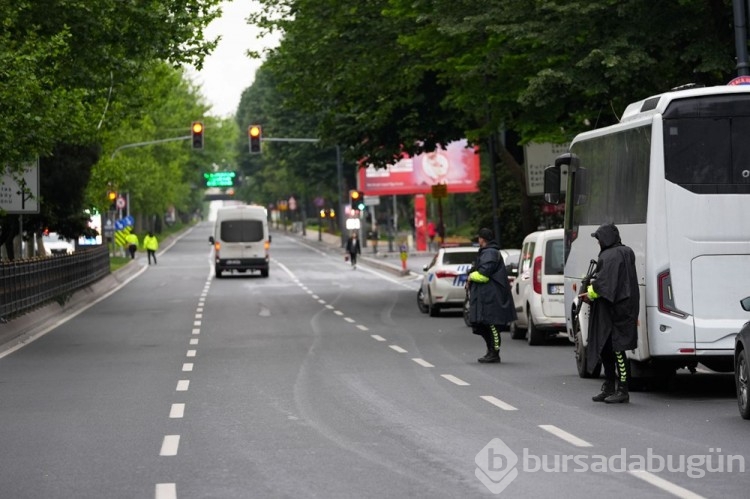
{"type": "Point", "coordinates": [615, 311]}
{"type": "Point", "coordinates": [491, 302]}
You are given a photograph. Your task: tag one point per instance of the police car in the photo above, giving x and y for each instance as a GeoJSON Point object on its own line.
{"type": "Point", "coordinates": [444, 279]}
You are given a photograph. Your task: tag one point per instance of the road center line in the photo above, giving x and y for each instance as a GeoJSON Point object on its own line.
{"type": "Point", "coordinates": [196, 331]}
{"type": "Point", "coordinates": [397, 348]}
{"type": "Point", "coordinates": [187, 367]}
{"type": "Point", "coordinates": [498, 403]}
{"type": "Point", "coordinates": [422, 362]}
{"type": "Point", "coordinates": [455, 380]}
{"type": "Point", "coordinates": [349, 320]}
{"type": "Point", "coordinates": [191, 353]}
{"type": "Point", "coordinates": [564, 435]}
{"type": "Point", "coordinates": [177, 411]}
{"type": "Point", "coordinates": [183, 385]}
{"type": "Point", "coordinates": [362, 328]}
{"type": "Point", "coordinates": [169, 445]}
{"type": "Point", "coordinates": [194, 341]}
{"type": "Point", "coordinates": [166, 491]}
{"type": "Point", "coordinates": [377, 337]}
{"type": "Point", "coordinates": [664, 485]}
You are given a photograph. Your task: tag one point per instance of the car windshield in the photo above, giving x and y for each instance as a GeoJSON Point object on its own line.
{"type": "Point", "coordinates": [459, 257]}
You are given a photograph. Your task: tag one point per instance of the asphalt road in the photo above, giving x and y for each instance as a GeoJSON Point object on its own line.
{"type": "Point", "coordinates": [322, 381]}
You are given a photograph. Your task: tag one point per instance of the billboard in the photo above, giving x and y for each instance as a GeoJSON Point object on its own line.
{"type": "Point", "coordinates": [456, 166]}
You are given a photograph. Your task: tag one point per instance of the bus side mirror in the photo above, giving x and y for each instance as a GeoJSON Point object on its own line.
{"type": "Point", "coordinates": [552, 184]}
{"type": "Point", "coordinates": [745, 302]}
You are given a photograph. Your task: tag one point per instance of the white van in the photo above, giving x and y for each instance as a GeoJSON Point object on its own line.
{"type": "Point", "coordinates": [241, 239]}
{"type": "Point", "coordinates": [538, 291]}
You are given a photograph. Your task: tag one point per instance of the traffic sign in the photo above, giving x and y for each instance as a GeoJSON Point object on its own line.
{"type": "Point", "coordinates": [120, 203]}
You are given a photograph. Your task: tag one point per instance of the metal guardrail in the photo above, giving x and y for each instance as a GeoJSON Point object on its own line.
{"type": "Point", "coordinates": [28, 284]}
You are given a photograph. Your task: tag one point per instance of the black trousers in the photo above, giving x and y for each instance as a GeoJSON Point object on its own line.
{"type": "Point", "coordinates": [353, 258]}
{"type": "Point", "coordinates": [131, 249]}
{"type": "Point", "coordinates": [151, 253]}
{"type": "Point", "coordinates": [490, 333]}
{"type": "Point", "coordinates": [615, 364]}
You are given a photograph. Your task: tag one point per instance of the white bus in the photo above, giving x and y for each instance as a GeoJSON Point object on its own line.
{"type": "Point", "coordinates": [674, 176]}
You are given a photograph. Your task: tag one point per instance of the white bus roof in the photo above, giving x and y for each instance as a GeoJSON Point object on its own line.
{"type": "Point", "coordinates": [657, 104]}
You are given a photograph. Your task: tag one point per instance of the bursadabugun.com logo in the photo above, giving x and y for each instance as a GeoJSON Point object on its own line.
{"type": "Point", "coordinates": [497, 464]}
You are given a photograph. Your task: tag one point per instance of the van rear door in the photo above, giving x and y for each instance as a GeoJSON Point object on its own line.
{"type": "Point", "coordinates": [553, 280]}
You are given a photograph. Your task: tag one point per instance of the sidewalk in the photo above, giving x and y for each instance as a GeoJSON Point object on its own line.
{"type": "Point", "coordinates": [383, 259]}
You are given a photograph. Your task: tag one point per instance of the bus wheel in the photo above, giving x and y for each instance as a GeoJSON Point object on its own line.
{"type": "Point", "coordinates": [581, 359]}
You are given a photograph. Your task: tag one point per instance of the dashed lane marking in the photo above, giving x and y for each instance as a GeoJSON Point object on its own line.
{"type": "Point", "coordinates": [422, 362]}
{"type": "Point", "coordinates": [664, 485]}
{"type": "Point", "coordinates": [187, 367]}
{"type": "Point", "coordinates": [377, 337]}
{"type": "Point", "coordinates": [183, 385]}
{"type": "Point", "coordinates": [170, 445]}
{"type": "Point", "coordinates": [397, 348]}
{"type": "Point", "coordinates": [177, 411]}
{"type": "Point", "coordinates": [166, 491]}
{"type": "Point", "coordinates": [564, 435]}
{"type": "Point", "coordinates": [455, 380]}
{"type": "Point", "coordinates": [498, 403]}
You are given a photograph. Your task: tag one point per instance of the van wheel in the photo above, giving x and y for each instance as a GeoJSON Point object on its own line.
{"type": "Point", "coordinates": [264, 273]}
{"type": "Point", "coordinates": [218, 273]}
{"type": "Point", "coordinates": [741, 381]}
{"type": "Point", "coordinates": [533, 334]}
{"type": "Point", "coordinates": [516, 332]}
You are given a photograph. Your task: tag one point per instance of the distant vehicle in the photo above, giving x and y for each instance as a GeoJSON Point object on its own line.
{"type": "Point", "coordinates": [741, 366]}
{"type": "Point", "coordinates": [673, 176]}
{"type": "Point", "coordinates": [445, 276]}
{"type": "Point", "coordinates": [241, 240]}
{"type": "Point", "coordinates": [55, 244]}
{"type": "Point", "coordinates": [538, 290]}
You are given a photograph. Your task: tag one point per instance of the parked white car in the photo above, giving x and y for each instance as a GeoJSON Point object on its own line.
{"type": "Point", "coordinates": [538, 291]}
{"type": "Point", "coordinates": [445, 276]}
{"type": "Point", "coordinates": [55, 244]}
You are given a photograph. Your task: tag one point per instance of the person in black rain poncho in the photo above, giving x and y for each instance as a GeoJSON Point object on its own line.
{"type": "Point", "coordinates": [614, 298]}
{"type": "Point", "coordinates": [490, 301]}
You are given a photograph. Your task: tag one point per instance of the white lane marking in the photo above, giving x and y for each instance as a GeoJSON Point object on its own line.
{"type": "Point", "coordinates": [377, 337]}
{"type": "Point", "coordinates": [196, 331]}
{"type": "Point", "coordinates": [338, 312]}
{"type": "Point", "coordinates": [197, 323]}
{"type": "Point", "coordinates": [322, 302]}
{"type": "Point", "coordinates": [187, 367]}
{"type": "Point", "coordinates": [177, 411]}
{"type": "Point", "coordinates": [191, 353]}
{"type": "Point", "coordinates": [455, 380]}
{"type": "Point", "coordinates": [349, 320]}
{"type": "Point", "coordinates": [199, 310]}
{"type": "Point", "coordinates": [362, 328]}
{"type": "Point", "coordinates": [199, 316]}
{"type": "Point", "coordinates": [564, 435]}
{"type": "Point", "coordinates": [169, 445]}
{"type": "Point", "coordinates": [498, 403]}
{"type": "Point", "coordinates": [193, 341]}
{"type": "Point", "coordinates": [329, 307]}
{"type": "Point", "coordinates": [664, 485]}
{"type": "Point", "coordinates": [316, 297]}
{"type": "Point", "coordinates": [183, 385]}
{"type": "Point", "coordinates": [397, 348]}
{"type": "Point", "coordinates": [165, 491]}
{"type": "Point", "coordinates": [422, 362]}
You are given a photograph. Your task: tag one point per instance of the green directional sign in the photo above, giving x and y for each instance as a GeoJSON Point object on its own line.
{"type": "Point", "coordinates": [219, 179]}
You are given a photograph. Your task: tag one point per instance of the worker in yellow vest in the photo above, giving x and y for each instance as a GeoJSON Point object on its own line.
{"type": "Point", "coordinates": [132, 240]}
{"type": "Point", "coordinates": [151, 244]}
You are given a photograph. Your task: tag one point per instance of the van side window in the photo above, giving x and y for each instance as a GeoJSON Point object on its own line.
{"type": "Point", "coordinates": [527, 257]}
{"type": "Point", "coordinates": [241, 231]}
{"type": "Point", "coordinates": [554, 263]}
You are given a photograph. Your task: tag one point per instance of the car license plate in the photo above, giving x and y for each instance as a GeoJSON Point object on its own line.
{"type": "Point", "coordinates": [233, 262]}
{"type": "Point", "coordinates": [555, 289]}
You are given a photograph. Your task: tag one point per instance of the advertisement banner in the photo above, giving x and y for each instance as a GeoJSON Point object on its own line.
{"type": "Point", "coordinates": [457, 167]}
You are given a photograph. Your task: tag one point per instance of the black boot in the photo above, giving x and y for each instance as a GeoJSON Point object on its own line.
{"type": "Point", "coordinates": [492, 357]}
{"type": "Point", "coordinates": [621, 395]}
{"type": "Point", "coordinates": [608, 388]}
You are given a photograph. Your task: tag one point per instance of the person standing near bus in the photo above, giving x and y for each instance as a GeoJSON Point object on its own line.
{"type": "Point", "coordinates": [613, 324]}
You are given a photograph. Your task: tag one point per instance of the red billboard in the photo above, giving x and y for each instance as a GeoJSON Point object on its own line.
{"type": "Point", "coordinates": [457, 166]}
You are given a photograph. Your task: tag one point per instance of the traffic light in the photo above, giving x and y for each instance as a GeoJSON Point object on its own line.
{"type": "Point", "coordinates": [357, 200]}
{"type": "Point", "coordinates": [196, 130]}
{"type": "Point", "coordinates": [112, 197]}
{"type": "Point", "coordinates": [254, 134]}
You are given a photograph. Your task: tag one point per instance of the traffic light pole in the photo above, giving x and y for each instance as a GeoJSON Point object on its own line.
{"type": "Point", "coordinates": [148, 143]}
